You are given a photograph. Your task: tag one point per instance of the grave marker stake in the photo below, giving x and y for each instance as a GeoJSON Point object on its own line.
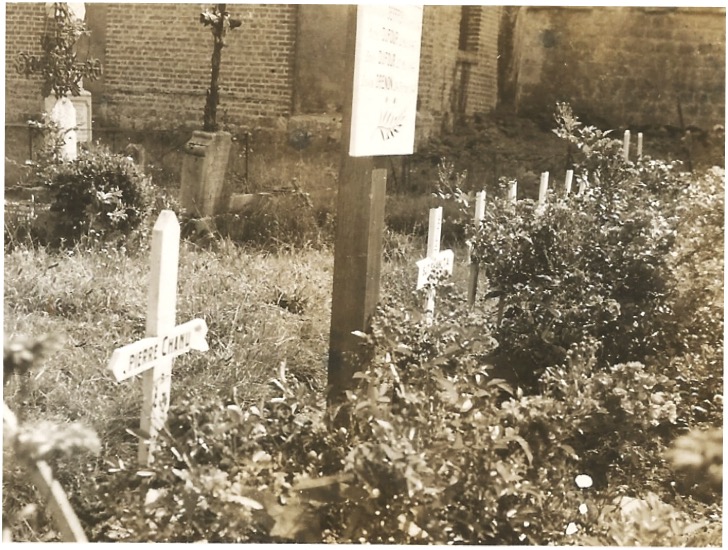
{"type": "Point", "coordinates": [639, 145]}
{"type": "Point", "coordinates": [568, 181]}
{"type": "Point", "coordinates": [626, 145]}
{"type": "Point", "coordinates": [154, 355]}
{"type": "Point", "coordinates": [512, 191]}
{"type": "Point", "coordinates": [475, 266]}
{"type": "Point", "coordinates": [435, 259]}
{"type": "Point", "coordinates": [161, 314]}
{"type": "Point", "coordinates": [543, 189]}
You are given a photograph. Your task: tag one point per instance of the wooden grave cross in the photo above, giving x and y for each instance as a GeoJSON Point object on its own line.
{"type": "Point", "coordinates": [152, 357]}
{"type": "Point", "coordinates": [435, 260]}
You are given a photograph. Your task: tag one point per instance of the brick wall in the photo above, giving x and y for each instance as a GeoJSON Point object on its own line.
{"type": "Point", "coordinates": [457, 82]}
{"type": "Point", "coordinates": [438, 60]}
{"type": "Point", "coordinates": [482, 93]}
{"type": "Point", "coordinates": [24, 24]}
{"type": "Point", "coordinates": [157, 65]}
{"type": "Point", "coordinates": [623, 66]}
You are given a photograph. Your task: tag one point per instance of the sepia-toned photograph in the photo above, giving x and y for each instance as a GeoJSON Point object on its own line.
{"type": "Point", "coordinates": [402, 274]}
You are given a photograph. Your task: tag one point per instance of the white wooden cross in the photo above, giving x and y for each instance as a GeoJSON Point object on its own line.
{"type": "Point", "coordinates": [435, 260]}
{"type": "Point", "coordinates": [153, 356]}
{"type": "Point", "coordinates": [474, 266]}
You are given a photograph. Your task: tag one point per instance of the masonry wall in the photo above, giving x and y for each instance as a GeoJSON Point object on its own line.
{"type": "Point", "coordinates": [157, 65]}
{"type": "Point", "coordinates": [623, 66]}
{"type": "Point", "coordinates": [286, 61]}
{"type": "Point", "coordinates": [458, 74]}
{"type": "Point", "coordinates": [482, 92]}
{"type": "Point", "coordinates": [23, 28]}
{"type": "Point", "coordinates": [320, 60]}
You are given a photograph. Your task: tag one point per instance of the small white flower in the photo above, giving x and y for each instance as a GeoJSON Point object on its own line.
{"type": "Point", "coordinates": [583, 481]}
{"type": "Point", "coordinates": [572, 528]}
{"type": "Point", "coordinates": [583, 509]}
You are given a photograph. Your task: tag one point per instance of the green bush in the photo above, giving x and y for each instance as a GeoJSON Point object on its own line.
{"type": "Point", "coordinates": [98, 195]}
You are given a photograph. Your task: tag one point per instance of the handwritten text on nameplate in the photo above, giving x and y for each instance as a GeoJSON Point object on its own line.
{"type": "Point", "coordinates": [444, 262]}
{"type": "Point", "coordinates": [386, 74]}
{"type": "Point", "coordinates": [135, 358]}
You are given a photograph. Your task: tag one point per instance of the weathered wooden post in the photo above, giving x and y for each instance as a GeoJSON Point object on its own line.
{"type": "Point", "coordinates": [475, 266]}
{"type": "Point", "coordinates": [153, 356]}
{"type": "Point", "coordinates": [437, 261]}
{"type": "Point", "coordinates": [625, 145]}
{"type": "Point", "coordinates": [382, 60]}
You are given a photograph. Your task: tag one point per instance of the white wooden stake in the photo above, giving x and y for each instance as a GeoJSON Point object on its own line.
{"type": "Point", "coordinates": [435, 259]}
{"type": "Point", "coordinates": [582, 186]}
{"type": "Point", "coordinates": [474, 266]}
{"type": "Point", "coordinates": [153, 356]}
{"type": "Point", "coordinates": [479, 215]}
{"type": "Point", "coordinates": [512, 191]}
{"type": "Point", "coordinates": [626, 145]}
{"type": "Point", "coordinates": [543, 188]}
{"type": "Point", "coordinates": [639, 145]}
{"type": "Point", "coordinates": [568, 181]}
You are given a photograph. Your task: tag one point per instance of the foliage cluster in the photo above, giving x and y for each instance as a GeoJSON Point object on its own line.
{"type": "Point", "coordinates": [433, 444]}
{"type": "Point", "coordinates": [281, 222]}
{"type": "Point", "coordinates": [434, 450]}
{"type": "Point", "coordinates": [98, 196]}
{"type": "Point", "coordinates": [593, 265]}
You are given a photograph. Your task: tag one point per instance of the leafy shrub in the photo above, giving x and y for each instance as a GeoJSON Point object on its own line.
{"type": "Point", "coordinates": [588, 266]}
{"type": "Point", "coordinates": [697, 299]}
{"type": "Point", "coordinates": [100, 194]}
{"type": "Point", "coordinates": [434, 450]}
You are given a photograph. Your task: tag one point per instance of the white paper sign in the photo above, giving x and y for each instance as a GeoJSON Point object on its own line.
{"type": "Point", "coordinates": [386, 73]}
{"type": "Point", "coordinates": [140, 356]}
{"type": "Point", "coordinates": [444, 261]}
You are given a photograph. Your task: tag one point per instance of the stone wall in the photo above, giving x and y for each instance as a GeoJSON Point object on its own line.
{"type": "Point", "coordinates": [623, 66]}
